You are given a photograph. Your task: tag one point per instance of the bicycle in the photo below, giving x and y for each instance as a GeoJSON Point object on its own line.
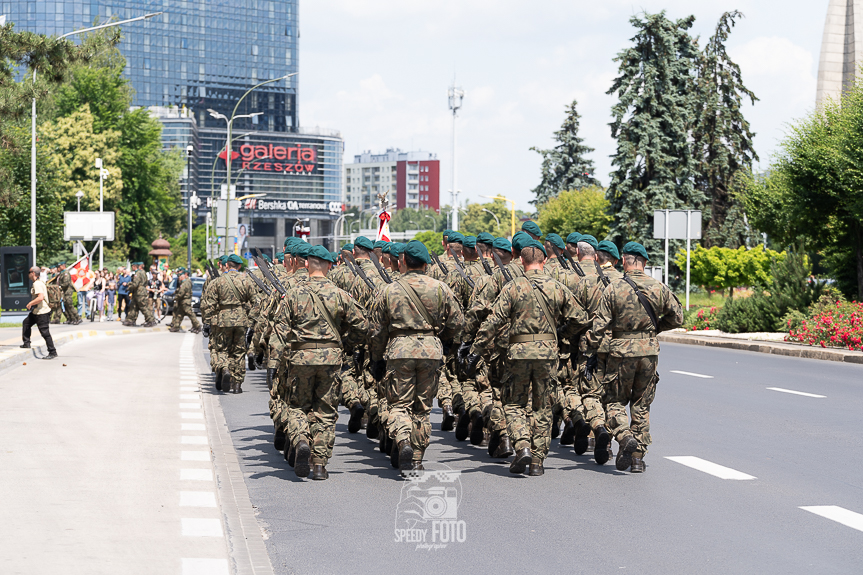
{"type": "Point", "coordinates": [93, 306]}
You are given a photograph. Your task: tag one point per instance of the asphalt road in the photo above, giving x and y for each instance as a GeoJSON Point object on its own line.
{"type": "Point", "coordinates": [779, 452]}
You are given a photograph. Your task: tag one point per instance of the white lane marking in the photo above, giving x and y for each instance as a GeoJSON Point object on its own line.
{"type": "Point", "coordinates": [188, 388]}
{"type": "Point", "coordinates": [202, 527]}
{"type": "Point", "coordinates": [193, 427]}
{"type": "Point", "coordinates": [194, 456]}
{"type": "Point", "coordinates": [196, 475]}
{"type": "Point", "coordinates": [191, 415]}
{"type": "Point", "coordinates": [692, 374]}
{"type": "Point", "coordinates": [837, 514]}
{"type": "Point", "coordinates": [803, 393]}
{"type": "Point", "coordinates": [714, 469]}
{"type": "Point", "coordinates": [197, 499]}
{"type": "Point", "coordinates": [193, 440]}
{"type": "Point", "coordinates": [190, 406]}
{"type": "Point", "coordinates": [205, 567]}
{"type": "Point", "coordinates": [190, 396]}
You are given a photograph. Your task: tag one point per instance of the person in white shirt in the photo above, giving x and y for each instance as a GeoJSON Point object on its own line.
{"type": "Point", "coordinates": [40, 313]}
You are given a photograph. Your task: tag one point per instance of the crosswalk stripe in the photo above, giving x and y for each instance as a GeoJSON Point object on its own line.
{"type": "Point", "coordinates": [837, 514]}
{"type": "Point", "coordinates": [711, 468]}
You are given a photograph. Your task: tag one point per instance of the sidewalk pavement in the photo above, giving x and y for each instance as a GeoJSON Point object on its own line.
{"type": "Point", "coordinates": [761, 343]}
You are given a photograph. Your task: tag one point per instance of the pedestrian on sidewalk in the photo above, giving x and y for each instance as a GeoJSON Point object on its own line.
{"type": "Point", "coordinates": [110, 291]}
{"type": "Point", "coordinates": [123, 298]}
{"type": "Point", "coordinates": [40, 313]}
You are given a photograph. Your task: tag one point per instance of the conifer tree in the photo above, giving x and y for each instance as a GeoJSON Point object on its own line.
{"type": "Point", "coordinates": [565, 166]}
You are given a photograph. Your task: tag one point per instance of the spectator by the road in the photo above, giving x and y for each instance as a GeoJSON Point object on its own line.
{"type": "Point", "coordinates": [99, 293]}
{"type": "Point", "coordinates": [110, 293]}
{"type": "Point", "coordinates": [82, 303]}
{"type": "Point", "coordinates": [156, 287]}
{"type": "Point", "coordinates": [40, 314]}
{"type": "Point", "coordinates": [123, 279]}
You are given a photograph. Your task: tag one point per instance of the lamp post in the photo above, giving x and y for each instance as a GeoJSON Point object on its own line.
{"type": "Point", "coordinates": [455, 96]}
{"type": "Point", "coordinates": [512, 209]}
{"type": "Point", "coordinates": [434, 221]}
{"type": "Point", "coordinates": [79, 194]}
{"type": "Point", "coordinates": [33, 127]}
{"type": "Point", "coordinates": [492, 215]}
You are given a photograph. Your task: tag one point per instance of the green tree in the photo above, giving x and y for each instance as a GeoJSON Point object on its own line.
{"type": "Point", "coordinates": [584, 211]}
{"type": "Point", "coordinates": [721, 138]}
{"type": "Point", "coordinates": [565, 166]}
{"type": "Point", "coordinates": [725, 268]}
{"type": "Point", "coordinates": [411, 219]}
{"type": "Point", "coordinates": [432, 240]}
{"type": "Point", "coordinates": [476, 220]}
{"type": "Point", "coordinates": [654, 165]}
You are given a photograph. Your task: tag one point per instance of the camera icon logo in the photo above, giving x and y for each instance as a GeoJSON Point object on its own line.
{"type": "Point", "coordinates": [427, 513]}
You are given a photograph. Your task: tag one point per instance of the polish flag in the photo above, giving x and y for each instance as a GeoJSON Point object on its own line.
{"type": "Point", "coordinates": [384, 226]}
{"type": "Point", "coordinates": [82, 275]}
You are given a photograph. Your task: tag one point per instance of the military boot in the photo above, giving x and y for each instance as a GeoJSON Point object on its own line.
{"type": "Point", "coordinates": [279, 440]}
{"type": "Point", "coordinates": [555, 424]}
{"type": "Point", "coordinates": [493, 442]}
{"type": "Point", "coordinates": [581, 441]}
{"type": "Point", "coordinates": [637, 464]}
{"type": "Point", "coordinates": [484, 442]}
{"type": "Point", "coordinates": [568, 435]}
{"type": "Point", "coordinates": [382, 444]}
{"type": "Point", "coordinates": [448, 418]}
{"type": "Point", "coordinates": [628, 446]}
{"type": "Point", "coordinates": [372, 429]}
{"type": "Point", "coordinates": [356, 420]}
{"type": "Point", "coordinates": [406, 455]}
{"type": "Point", "coordinates": [504, 448]}
{"type": "Point", "coordinates": [227, 384]}
{"type": "Point", "coordinates": [319, 472]}
{"type": "Point", "coordinates": [536, 469]}
{"type": "Point", "coordinates": [302, 453]}
{"type": "Point", "coordinates": [463, 428]}
{"type": "Point", "coordinates": [259, 360]}
{"type": "Point", "coordinates": [250, 362]}
{"type": "Point", "coordinates": [219, 379]}
{"type": "Point", "coordinates": [600, 452]}
{"type": "Point", "coordinates": [477, 431]}
{"type": "Point", "coordinates": [237, 386]}
{"type": "Point", "coordinates": [521, 461]}
{"type": "Point", "coordinates": [290, 455]}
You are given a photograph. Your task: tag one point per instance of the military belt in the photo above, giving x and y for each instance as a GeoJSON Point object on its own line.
{"type": "Point", "coordinates": [410, 332]}
{"type": "Point", "coordinates": [531, 338]}
{"type": "Point", "coordinates": [318, 345]}
{"type": "Point", "coordinates": [633, 334]}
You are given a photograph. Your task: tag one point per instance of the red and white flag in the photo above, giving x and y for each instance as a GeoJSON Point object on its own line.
{"type": "Point", "coordinates": [82, 275]}
{"type": "Point", "coordinates": [384, 226]}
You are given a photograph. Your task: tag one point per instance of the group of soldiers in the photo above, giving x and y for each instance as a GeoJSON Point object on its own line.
{"type": "Point", "coordinates": [61, 294]}
{"type": "Point", "coordinates": [514, 338]}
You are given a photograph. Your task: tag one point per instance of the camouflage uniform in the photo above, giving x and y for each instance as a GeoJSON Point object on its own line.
{"type": "Point", "coordinates": [445, 393]}
{"type": "Point", "coordinates": [140, 299]}
{"type": "Point", "coordinates": [624, 331]}
{"type": "Point", "coordinates": [567, 399]}
{"type": "Point", "coordinates": [276, 358]}
{"type": "Point", "coordinates": [65, 284]}
{"type": "Point", "coordinates": [532, 356]}
{"type": "Point", "coordinates": [183, 306]}
{"type": "Point", "coordinates": [55, 295]}
{"type": "Point", "coordinates": [315, 359]}
{"type": "Point", "coordinates": [413, 351]}
{"type": "Point", "coordinates": [228, 301]}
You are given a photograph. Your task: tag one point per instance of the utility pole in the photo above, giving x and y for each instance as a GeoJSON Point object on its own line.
{"type": "Point", "coordinates": [455, 95]}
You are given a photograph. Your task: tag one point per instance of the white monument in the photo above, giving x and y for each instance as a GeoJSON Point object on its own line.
{"type": "Point", "coordinates": [841, 49]}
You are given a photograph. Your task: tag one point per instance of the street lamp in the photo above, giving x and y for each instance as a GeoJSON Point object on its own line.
{"type": "Point", "coordinates": [434, 221]}
{"type": "Point", "coordinates": [414, 223]}
{"type": "Point", "coordinates": [512, 210]}
{"type": "Point", "coordinates": [351, 227]}
{"type": "Point", "coordinates": [341, 221]}
{"type": "Point", "coordinates": [193, 203]}
{"type": "Point", "coordinates": [492, 215]}
{"type": "Point", "coordinates": [79, 194]}
{"type": "Point", "coordinates": [33, 126]}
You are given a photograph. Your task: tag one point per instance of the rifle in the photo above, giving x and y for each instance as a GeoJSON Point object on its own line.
{"type": "Point", "coordinates": [503, 270]}
{"type": "Point", "coordinates": [214, 270]}
{"type": "Point", "coordinates": [374, 257]}
{"type": "Point", "coordinates": [270, 277]}
{"type": "Point", "coordinates": [360, 271]}
{"type": "Point", "coordinates": [261, 256]}
{"type": "Point", "coordinates": [260, 284]}
{"type": "Point", "coordinates": [484, 263]}
{"type": "Point", "coordinates": [350, 267]}
{"type": "Point", "coordinates": [602, 276]}
{"type": "Point", "coordinates": [439, 263]}
{"type": "Point", "coordinates": [564, 262]}
{"type": "Point", "coordinates": [460, 269]}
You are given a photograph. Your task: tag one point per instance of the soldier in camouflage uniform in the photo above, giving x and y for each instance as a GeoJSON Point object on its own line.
{"type": "Point", "coordinates": [340, 274]}
{"type": "Point", "coordinates": [64, 281]}
{"type": "Point", "coordinates": [624, 328]}
{"type": "Point", "coordinates": [183, 304]}
{"type": "Point", "coordinates": [140, 298]}
{"type": "Point", "coordinates": [319, 320]}
{"type": "Point", "coordinates": [277, 367]}
{"type": "Point", "coordinates": [55, 295]}
{"type": "Point", "coordinates": [229, 300]}
{"type": "Point", "coordinates": [412, 318]}
{"type": "Point", "coordinates": [537, 310]}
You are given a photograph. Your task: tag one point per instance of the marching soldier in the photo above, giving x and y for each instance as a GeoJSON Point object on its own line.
{"type": "Point", "coordinates": [415, 320]}
{"type": "Point", "coordinates": [183, 304]}
{"type": "Point", "coordinates": [319, 320]}
{"type": "Point", "coordinates": [64, 281]}
{"type": "Point", "coordinates": [140, 298]}
{"type": "Point", "coordinates": [532, 306]}
{"type": "Point", "coordinates": [55, 295]}
{"type": "Point", "coordinates": [633, 310]}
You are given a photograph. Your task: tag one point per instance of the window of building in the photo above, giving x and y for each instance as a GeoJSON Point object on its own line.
{"type": "Point", "coordinates": [254, 49]}
{"type": "Point", "coordinates": [184, 43]}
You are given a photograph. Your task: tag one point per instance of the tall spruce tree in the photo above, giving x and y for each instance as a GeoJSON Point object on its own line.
{"type": "Point", "coordinates": [654, 167]}
{"type": "Point", "coordinates": [721, 138]}
{"type": "Point", "coordinates": [565, 166]}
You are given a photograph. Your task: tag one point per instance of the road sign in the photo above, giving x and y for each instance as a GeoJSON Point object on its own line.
{"type": "Point", "coordinates": [88, 226]}
{"type": "Point", "coordinates": [677, 224]}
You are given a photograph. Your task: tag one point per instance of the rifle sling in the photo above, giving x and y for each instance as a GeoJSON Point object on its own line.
{"type": "Point", "coordinates": [645, 303]}
{"type": "Point", "coordinates": [326, 313]}
{"type": "Point", "coordinates": [417, 303]}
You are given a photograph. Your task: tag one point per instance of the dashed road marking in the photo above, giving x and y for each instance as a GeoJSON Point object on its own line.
{"type": "Point", "coordinates": [194, 455]}
{"type": "Point", "coordinates": [197, 499]}
{"type": "Point", "coordinates": [190, 406]}
{"type": "Point", "coordinates": [191, 415]}
{"type": "Point", "coordinates": [193, 427]}
{"type": "Point", "coordinates": [196, 475]}
{"type": "Point", "coordinates": [190, 396]}
{"type": "Point", "coordinates": [711, 468]}
{"type": "Point", "coordinates": [194, 440]}
{"type": "Point", "coordinates": [205, 567]}
{"type": "Point", "coordinates": [837, 514]}
{"type": "Point", "coordinates": [689, 373]}
{"type": "Point", "coordinates": [803, 393]}
{"type": "Point", "coordinates": [201, 527]}
{"type": "Point", "coordinates": [188, 388]}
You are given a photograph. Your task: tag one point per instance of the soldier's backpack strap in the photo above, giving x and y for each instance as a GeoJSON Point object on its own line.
{"type": "Point", "coordinates": [544, 307]}
{"type": "Point", "coordinates": [322, 309]}
{"type": "Point", "coordinates": [602, 276]}
{"type": "Point", "coordinates": [645, 303]}
{"type": "Point", "coordinates": [418, 304]}
{"type": "Point", "coordinates": [237, 294]}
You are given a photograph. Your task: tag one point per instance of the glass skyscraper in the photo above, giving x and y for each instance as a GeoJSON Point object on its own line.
{"type": "Point", "coordinates": [202, 55]}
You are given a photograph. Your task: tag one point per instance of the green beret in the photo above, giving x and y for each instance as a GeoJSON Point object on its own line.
{"type": "Point", "coordinates": [520, 239]}
{"type": "Point", "coordinates": [635, 249]}
{"type": "Point", "coordinates": [589, 240]}
{"type": "Point", "coordinates": [386, 248]}
{"type": "Point", "coordinates": [397, 248]}
{"type": "Point", "coordinates": [535, 244]}
{"type": "Point", "coordinates": [63, 263]}
{"type": "Point", "coordinates": [456, 237]}
{"type": "Point", "coordinates": [222, 260]}
{"type": "Point", "coordinates": [235, 259]}
{"type": "Point", "coordinates": [502, 244]}
{"type": "Point", "coordinates": [364, 242]}
{"type": "Point", "coordinates": [348, 247]}
{"type": "Point", "coordinates": [531, 228]}
{"type": "Point", "coordinates": [485, 238]}
{"type": "Point", "coordinates": [418, 251]}
{"type": "Point", "coordinates": [573, 238]}
{"type": "Point", "coordinates": [303, 250]}
{"type": "Point", "coordinates": [555, 240]}
{"type": "Point", "coordinates": [609, 248]}
{"type": "Point", "coordinates": [380, 244]}
{"type": "Point", "coordinates": [469, 242]}
{"type": "Point", "coordinates": [268, 258]}
{"type": "Point", "coordinates": [447, 232]}
{"type": "Point", "coordinates": [280, 256]}
{"type": "Point", "coordinates": [322, 253]}
{"type": "Point", "coordinates": [289, 241]}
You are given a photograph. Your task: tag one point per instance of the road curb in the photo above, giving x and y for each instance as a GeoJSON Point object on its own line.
{"type": "Point", "coordinates": [10, 358]}
{"type": "Point", "coordinates": [786, 349]}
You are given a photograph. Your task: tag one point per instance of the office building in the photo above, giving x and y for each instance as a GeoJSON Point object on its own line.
{"type": "Point", "coordinates": [411, 180]}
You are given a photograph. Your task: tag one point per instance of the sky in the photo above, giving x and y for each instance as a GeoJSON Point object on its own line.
{"type": "Point", "coordinates": [378, 71]}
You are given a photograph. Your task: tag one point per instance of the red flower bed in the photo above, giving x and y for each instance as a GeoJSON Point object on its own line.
{"type": "Point", "coordinates": [838, 325]}
{"type": "Point", "coordinates": [704, 319]}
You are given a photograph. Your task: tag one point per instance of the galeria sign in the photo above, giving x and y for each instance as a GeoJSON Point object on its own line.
{"type": "Point", "coordinates": [296, 159]}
